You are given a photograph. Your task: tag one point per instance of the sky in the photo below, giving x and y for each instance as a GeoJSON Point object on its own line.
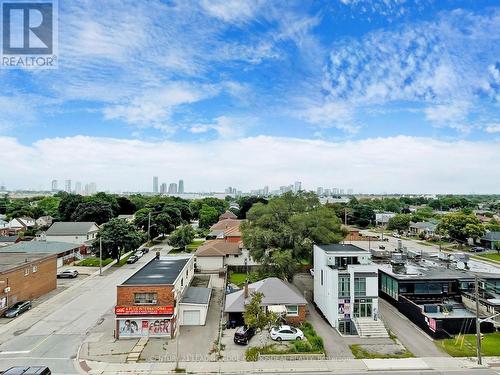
{"type": "Point", "coordinates": [395, 96]}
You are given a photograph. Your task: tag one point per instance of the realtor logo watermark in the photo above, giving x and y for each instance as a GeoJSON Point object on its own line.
{"type": "Point", "coordinates": [29, 34]}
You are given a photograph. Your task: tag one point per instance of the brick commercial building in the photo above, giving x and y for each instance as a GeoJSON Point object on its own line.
{"type": "Point", "coordinates": [148, 303]}
{"type": "Point", "coordinates": [25, 277]}
{"type": "Point", "coordinates": [66, 252]}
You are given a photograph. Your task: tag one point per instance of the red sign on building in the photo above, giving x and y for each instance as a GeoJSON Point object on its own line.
{"type": "Point", "coordinates": [144, 310]}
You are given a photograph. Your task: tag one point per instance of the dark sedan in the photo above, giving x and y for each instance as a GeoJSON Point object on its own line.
{"type": "Point", "coordinates": [17, 308]}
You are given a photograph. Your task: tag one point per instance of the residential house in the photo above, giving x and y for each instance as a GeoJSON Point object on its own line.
{"type": "Point", "coordinates": [346, 289]}
{"type": "Point", "coordinates": [490, 240]}
{"type": "Point", "coordinates": [127, 218]}
{"type": "Point", "coordinates": [227, 215]}
{"type": "Point", "coordinates": [423, 227]}
{"type": "Point", "coordinates": [21, 224]}
{"type": "Point", "coordinates": [44, 221]}
{"type": "Point", "coordinates": [81, 233]}
{"type": "Point", "coordinates": [215, 255]}
{"type": "Point", "coordinates": [66, 252]}
{"type": "Point", "coordinates": [4, 227]}
{"type": "Point", "coordinates": [382, 218]}
{"type": "Point", "coordinates": [278, 296]}
{"type": "Point", "coordinates": [218, 228]}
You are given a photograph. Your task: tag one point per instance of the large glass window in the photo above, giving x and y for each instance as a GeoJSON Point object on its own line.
{"type": "Point", "coordinates": [344, 286]}
{"type": "Point", "coordinates": [145, 298]}
{"type": "Point", "coordinates": [359, 286]}
{"type": "Point", "coordinates": [292, 310]}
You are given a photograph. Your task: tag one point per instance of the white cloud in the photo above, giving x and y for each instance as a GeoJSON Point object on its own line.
{"type": "Point", "coordinates": [226, 127]}
{"type": "Point", "coordinates": [329, 114]}
{"type": "Point", "coordinates": [231, 10]}
{"type": "Point", "coordinates": [154, 108]}
{"type": "Point", "coordinates": [398, 164]}
{"type": "Point", "coordinates": [492, 128]}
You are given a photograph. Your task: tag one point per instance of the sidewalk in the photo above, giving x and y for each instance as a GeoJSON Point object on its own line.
{"type": "Point", "coordinates": [432, 363]}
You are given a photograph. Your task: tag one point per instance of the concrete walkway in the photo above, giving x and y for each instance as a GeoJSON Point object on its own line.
{"type": "Point", "coordinates": [324, 366]}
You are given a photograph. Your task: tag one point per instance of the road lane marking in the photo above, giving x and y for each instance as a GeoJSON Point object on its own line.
{"type": "Point", "coordinates": [15, 352]}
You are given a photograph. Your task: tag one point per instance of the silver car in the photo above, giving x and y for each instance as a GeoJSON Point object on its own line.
{"type": "Point", "coordinates": [67, 274]}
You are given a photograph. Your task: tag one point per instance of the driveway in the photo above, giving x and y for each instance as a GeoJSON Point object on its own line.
{"type": "Point", "coordinates": [196, 343]}
{"type": "Point", "coordinates": [410, 336]}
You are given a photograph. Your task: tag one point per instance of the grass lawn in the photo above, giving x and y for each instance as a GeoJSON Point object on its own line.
{"type": "Point", "coordinates": [360, 353]}
{"type": "Point", "coordinates": [94, 262]}
{"type": "Point", "coordinates": [492, 256]}
{"type": "Point", "coordinates": [238, 278]}
{"type": "Point", "coordinates": [194, 245]}
{"type": "Point", "coordinates": [122, 261]}
{"type": "Point", "coordinates": [490, 345]}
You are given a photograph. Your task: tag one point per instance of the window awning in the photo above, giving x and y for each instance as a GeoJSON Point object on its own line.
{"type": "Point", "coordinates": [278, 309]}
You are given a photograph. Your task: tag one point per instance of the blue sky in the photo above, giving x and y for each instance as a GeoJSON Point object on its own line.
{"type": "Point", "coordinates": [148, 77]}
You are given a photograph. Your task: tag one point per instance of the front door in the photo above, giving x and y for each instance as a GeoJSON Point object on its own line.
{"type": "Point", "coordinates": [363, 308]}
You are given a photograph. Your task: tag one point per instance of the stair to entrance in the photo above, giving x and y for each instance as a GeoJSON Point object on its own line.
{"type": "Point", "coordinates": [367, 327]}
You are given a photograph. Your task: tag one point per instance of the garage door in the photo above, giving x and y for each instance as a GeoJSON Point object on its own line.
{"type": "Point", "coordinates": [191, 318]}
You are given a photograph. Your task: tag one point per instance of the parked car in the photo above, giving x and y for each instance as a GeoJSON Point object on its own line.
{"type": "Point", "coordinates": [396, 235]}
{"type": "Point", "coordinates": [17, 308]}
{"type": "Point", "coordinates": [381, 247]}
{"type": "Point", "coordinates": [67, 274]}
{"type": "Point", "coordinates": [311, 271]}
{"type": "Point", "coordinates": [476, 249]}
{"type": "Point", "coordinates": [243, 335]}
{"type": "Point", "coordinates": [132, 259]}
{"type": "Point", "coordinates": [286, 333]}
{"type": "Point", "coordinates": [25, 370]}
{"type": "Point", "coordinates": [138, 254]}
{"type": "Point", "coordinates": [145, 250]}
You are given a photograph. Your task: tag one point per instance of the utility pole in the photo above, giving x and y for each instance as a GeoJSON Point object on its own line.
{"type": "Point", "coordinates": [149, 226]}
{"type": "Point", "coordinates": [478, 323]}
{"type": "Point", "coordinates": [100, 256]}
{"type": "Point", "coordinates": [345, 215]}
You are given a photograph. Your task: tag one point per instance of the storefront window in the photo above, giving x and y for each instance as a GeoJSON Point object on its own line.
{"type": "Point", "coordinates": [144, 327]}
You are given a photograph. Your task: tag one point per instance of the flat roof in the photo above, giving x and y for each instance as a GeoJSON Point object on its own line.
{"type": "Point", "coordinates": [429, 270]}
{"type": "Point", "coordinates": [341, 247]}
{"type": "Point", "coordinates": [14, 260]}
{"type": "Point", "coordinates": [158, 271]}
{"type": "Point", "coordinates": [53, 247]}
{"type": "Point", "coordinates": [197, 295]}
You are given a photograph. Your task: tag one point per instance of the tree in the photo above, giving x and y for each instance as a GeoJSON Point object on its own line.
{"type": "Point", "coordinates": [49, 206]}
{"type": "Point", "coordinates": [208, 216]}
{"type": "Point", "coordinates": [68, 204]}
{"type": "Point", "coordinates": [93, 210]}
{"type": "Point", "coordinates": [18, 208]}
{"type": "Point", "coordinates": [497, 246]}
{"type": "Point", "coordinates": [196, 205]}
{"type": "Point", "coordinates": [460, 226]}
{"type": "Point", "coordinates": [118, 237]}
{"type": "Point", "coordinates": [362, 215]}
{"type": "Point", "coordinates": [246, 203]}
{"type": "Point", "coordinates": [255, 316]}
{"type": "Point", "coordinates": [109, 198]}
{"type": "Point", "coordinates": [399, 222]}
{"type": "Point", "coordinates": [182, 236]}
{"type": "Point", "coordinates": [126, 206]}
{"type": "Point", "coordinates": [285, 229]}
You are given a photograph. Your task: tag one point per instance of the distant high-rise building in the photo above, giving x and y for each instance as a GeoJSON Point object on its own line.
{"type": "Point", "coordinates": [172, 188]}
{"type": "Point", "coordinates": [90, 188]}
{"type": "Point", "coordinates": [54, 185]}
{"type": "Point", "coordinates": [327, 192]}
{"type": "Point", "coordinates": [78, 187]}
{"type": "Point", "coordinates": [155, 184]}
{"type": "Point", "coordinates": [181, 186]}
{"type": "Point", "coordinates": [265, 191]}
{"type": "Point", "coordinates": [319, 191]}
{"type": "Point", "coordinates": [67, 186]}
{"type": "Point", "coordinates": [163, 188]}
{"type": "Point", "coordinates": [297, 186]}
{"type": "Point", "coordinates": [335, 191]}
{"type": "Point", "coordinates": [341, 191]}
{"type": "Point", "coordinates": [228, 190]}
{"type": "Point", "coordinates": [350, 191]}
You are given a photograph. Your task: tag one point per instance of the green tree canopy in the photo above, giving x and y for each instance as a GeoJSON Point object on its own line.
{"type": "Point", "coordinates": [68, 205]}
{"type": "Point", "coordinates": [208, 216]}
{"type": "Point", "coordinates": [118, 237]}
{"type": "Point", "coordinates": [182, 236]}
{"type": "Point", "coordinates": [400, 222]}
{"type": "Point", "coordinates": [460, 226]}
{"type": "Point", "coordinates": [255, 316]}
{"type": "Point", "coordinates": [93, 210]}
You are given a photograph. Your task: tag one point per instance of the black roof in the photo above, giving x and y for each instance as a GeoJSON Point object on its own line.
{"type": "Point", "coordinates": [158, 271]}
{"type": "Point", "coordinates": [340, 247]}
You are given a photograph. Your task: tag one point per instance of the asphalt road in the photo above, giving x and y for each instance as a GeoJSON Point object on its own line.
{"type": "Point", "coordinates": [51, 333]}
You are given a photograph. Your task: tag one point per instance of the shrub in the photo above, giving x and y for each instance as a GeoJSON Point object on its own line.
{"type": "Point", "coordinates": [302, 346]}
{"type": "Point", "coordinates": [316, 343]}
{"type": "Point", "coordinates": [252, 354]}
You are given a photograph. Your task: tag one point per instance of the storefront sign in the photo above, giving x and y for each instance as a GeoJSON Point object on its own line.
{"type": "Point", "coordinates": [144, 310]}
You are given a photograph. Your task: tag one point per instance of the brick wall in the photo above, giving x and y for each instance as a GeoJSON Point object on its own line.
{"type": "Point", "coordinates": [125, 294]}
{"type": "Point", "coordinates": [296, 320]}
{"type": "Point", "coordinates": [32, 285]}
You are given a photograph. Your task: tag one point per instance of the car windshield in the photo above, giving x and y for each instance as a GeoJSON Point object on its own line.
{"type": "Point", "coordinates": [18, 304]}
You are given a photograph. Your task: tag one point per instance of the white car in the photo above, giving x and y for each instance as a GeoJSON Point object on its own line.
{"type": "Point", "coordinates": [396, 235]}
{"type": "Point", "coordinates": [286, 333]}
{"type": "Point", "coordinates": [311, 271]}
{"type": "Point", "coordinates": [67, 274]}
{"type": "Point", "coordinates": [139, 253]}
